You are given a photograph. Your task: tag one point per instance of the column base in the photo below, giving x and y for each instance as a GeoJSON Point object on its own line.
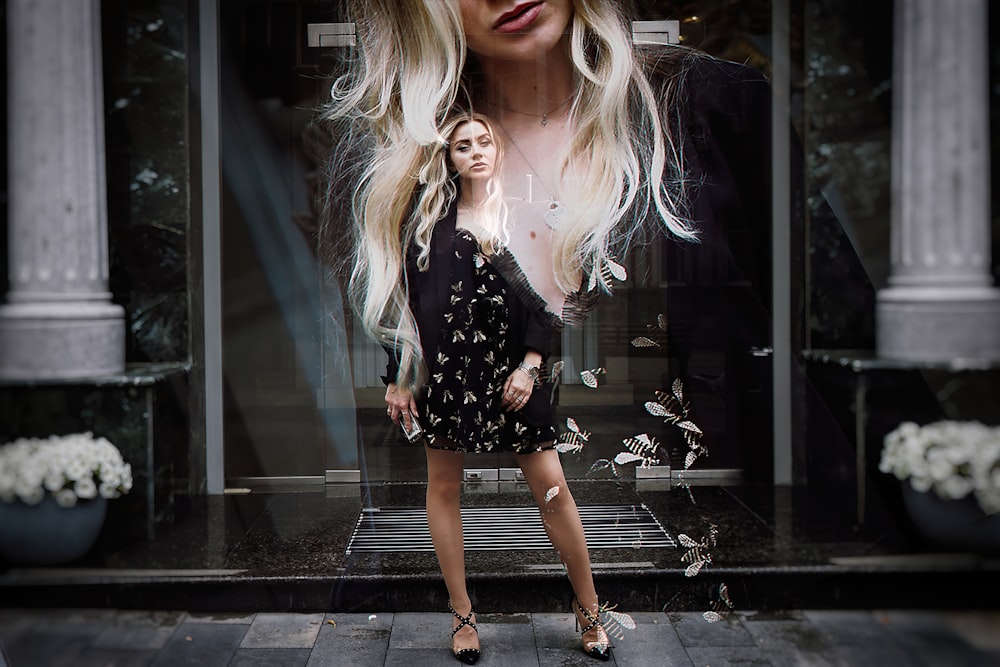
{"type": "Point", "coordinates": [938, 324]}
{"type": "Point", "coordinates": [61, 340]}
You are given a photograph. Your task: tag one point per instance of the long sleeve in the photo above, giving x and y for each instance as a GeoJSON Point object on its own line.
{"type": "Point", "coordinates": [538, 333]}
{"type": "Point", "coordinates": [391, 367]}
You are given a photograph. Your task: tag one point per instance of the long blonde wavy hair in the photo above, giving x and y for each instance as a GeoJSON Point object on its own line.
{"type": "Point", "coordinates": [411, 72]}
{"type": "Point", "coordinates": [438, 191]}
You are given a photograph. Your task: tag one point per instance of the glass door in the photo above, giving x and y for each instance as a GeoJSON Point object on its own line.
{"type": "Point", "coordinates": [289, 402]}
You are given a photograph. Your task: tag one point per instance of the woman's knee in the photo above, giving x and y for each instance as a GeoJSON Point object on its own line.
{"type": "Point", "coordinates": [554, 496]}
{"type": "Point", "coordinates": [444, 487]}
{"type": "Point", "coordinates": [444, 473]}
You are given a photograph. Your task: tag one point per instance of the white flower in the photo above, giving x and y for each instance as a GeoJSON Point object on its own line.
{"type": "Point", "coordinates": [54, 481]}
{"type": "Point", "coordinates": [940, 468]}
{"type": "Point", "coordinates": [954, 487]}
{"type": "Point", "coordinates": [64, 466]}
{"type": "Point", "coordinates": [31, 496]}
{"type": "Point", "coordinates": [65, 498]}
{"type": "Point", "coordinates": [952, 458]}
{"type": "Point", "coordinates": [989, 500]}
{"type": "Point", "coordinates": [86, 488]}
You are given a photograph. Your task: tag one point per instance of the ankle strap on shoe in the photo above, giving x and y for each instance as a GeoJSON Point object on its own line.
{"type": "Point", "coordinates": [595, 622]}
{"type": "Point", "coordinates": [465, 620]}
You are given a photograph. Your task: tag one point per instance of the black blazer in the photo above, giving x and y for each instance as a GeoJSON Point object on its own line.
{"type": "Point", "coordinates": [531, 326]}
{"type": "Point", "coordinates": [727, 135]}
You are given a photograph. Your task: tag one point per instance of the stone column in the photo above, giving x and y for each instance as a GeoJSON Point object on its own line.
{"type": "Point", "coordinates": [58, 321]}
{"type": "Point", "coordinates": [940, 304]}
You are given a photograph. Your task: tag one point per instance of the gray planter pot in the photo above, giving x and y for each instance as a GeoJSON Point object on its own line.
{"type": "Point", "coordinates": [47, 534]}
{"type": "Point", "coordinates": [956, 524]}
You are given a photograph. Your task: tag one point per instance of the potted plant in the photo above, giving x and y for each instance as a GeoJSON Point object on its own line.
{"type": "Point", "coordinates": [953, 470]}
{"type": "Point", "coordinates": [54, 493]}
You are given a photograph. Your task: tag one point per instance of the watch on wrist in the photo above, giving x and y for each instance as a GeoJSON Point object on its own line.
{"type": "Point", "coordinates": [532, 371]}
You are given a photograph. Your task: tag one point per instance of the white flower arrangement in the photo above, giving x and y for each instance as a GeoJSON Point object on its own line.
{"type": "Point", "coordinates": [953, 458]}
{"type": "Point", "coordinates": [70, 467]}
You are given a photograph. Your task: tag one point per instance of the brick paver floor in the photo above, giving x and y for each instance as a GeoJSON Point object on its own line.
{"type": "Point", "coordinates": [110, 638]}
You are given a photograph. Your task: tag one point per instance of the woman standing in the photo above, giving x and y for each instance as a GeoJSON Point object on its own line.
{"type": "Point", "coordinates": [483, 345]}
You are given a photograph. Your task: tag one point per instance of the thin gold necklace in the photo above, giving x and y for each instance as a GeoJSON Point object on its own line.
{"type": "Point", "coordinates": [544, 116]}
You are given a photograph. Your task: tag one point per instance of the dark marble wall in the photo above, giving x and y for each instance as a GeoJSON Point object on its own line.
{"type": "Point", "coordinates": [847, 105]}
{"type": "Point", "coordinates": [148, 158]}
{"type": "Point", "coordinates": [995, 133]}
{"type": "Point", "coordinates": [3, 154]}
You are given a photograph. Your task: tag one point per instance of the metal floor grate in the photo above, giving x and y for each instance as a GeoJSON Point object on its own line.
{"type": "Point", "coordinates": [507, 529]}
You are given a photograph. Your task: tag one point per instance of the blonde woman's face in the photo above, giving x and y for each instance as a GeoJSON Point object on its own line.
{"type": "Point", "coordinates": [514, 29]}
{"type": "Point", "coordinates": [472, 151]}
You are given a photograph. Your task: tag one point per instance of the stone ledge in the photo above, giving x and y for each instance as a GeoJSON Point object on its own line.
{"type": "Point", "coordinates": [135, 375]}
{"type": "Point", "coordinates": [767, 587]}
{"type": "Point", "coordinates": [868, 360]}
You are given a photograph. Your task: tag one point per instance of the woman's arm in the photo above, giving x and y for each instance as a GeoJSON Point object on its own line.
{"type": "Point", "coordinates": [521, 382]}
{"type": "Point", "coordinates": [519, 385]}
{"type": "Point", "coordinates": [538, 334]}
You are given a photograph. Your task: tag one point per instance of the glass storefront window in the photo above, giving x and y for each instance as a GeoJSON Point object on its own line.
{"type": "Point", "coordinates": [285, 372]}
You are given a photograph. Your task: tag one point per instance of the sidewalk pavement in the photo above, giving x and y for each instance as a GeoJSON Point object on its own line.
{"type": "Point", "coordinates": [110, 638]}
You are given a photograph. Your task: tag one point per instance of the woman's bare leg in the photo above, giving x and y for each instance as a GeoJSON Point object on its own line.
{"type": "Point", "coordinates": [543, 472]}
{"type": "Point", "coordinates": [561, 518]}
{"type": "Point", "coordinates": [444, 489]}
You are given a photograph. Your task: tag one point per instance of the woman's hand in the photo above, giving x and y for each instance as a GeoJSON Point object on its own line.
{"type": "Point", "coordinates": [400, 404]}
{"type": "Point", "coordinates": [516, 390]}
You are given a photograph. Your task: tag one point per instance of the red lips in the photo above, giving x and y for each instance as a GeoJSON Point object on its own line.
{"type": "Point", "coordinates": [518, 18]}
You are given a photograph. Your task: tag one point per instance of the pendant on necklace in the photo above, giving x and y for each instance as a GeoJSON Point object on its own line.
{"type": "Point", "coordinates": [545, 119]}
{"type": "Point", "coordinates": [553, 216]}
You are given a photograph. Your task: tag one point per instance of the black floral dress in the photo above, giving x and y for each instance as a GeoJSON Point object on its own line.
{"type": "Point", "coordinates": [461, 403]}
